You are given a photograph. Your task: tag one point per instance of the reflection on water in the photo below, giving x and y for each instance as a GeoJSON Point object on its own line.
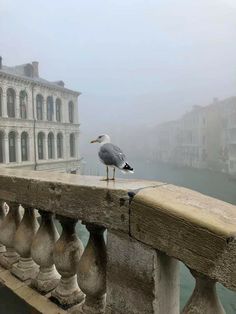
{"type": "Point", "coordinates": [214, 184]}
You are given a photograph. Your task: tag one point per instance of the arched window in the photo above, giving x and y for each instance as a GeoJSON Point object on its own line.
{"type": "Point", "coordinates": [1, 147]}
{"type": "Point", "coordinates": [58, 109]}
{"type": "Point", "coordinates": [50, 145]}
{"type": "Point", "coordinates": [50, 108]}
{"type": "Point", "coordinates": [41, 139]}
{"type": "Point", "coordinates": [24, 146]}
{"type": "Point", "coordinates": [0, 102]}
{"type": "Point", "coordinates": [59, 145]}
{"type": "Point", "coordinates": [11, 97]}
{"type": "Point", "coordinates": [71, 112]}
{"type": "Point", "coordinates": [23, 104]}
{"type": "Point", "coordinates": [12, 146]}
{"type": "Point", "coordinates": [72, 145]}
{"type": "Point", "coordinates": [39, 107]}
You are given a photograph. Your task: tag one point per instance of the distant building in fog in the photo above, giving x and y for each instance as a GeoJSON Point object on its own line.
{"type": "Point", "coordinates": [39, 126]}
{"type": "Point", "coordinates": [205, 137]}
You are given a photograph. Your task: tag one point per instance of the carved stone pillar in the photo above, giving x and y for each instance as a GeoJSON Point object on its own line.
{"type": "Point", "coordinates": [204, 298]}
{"type": "Point", "coordinates": [7, 235]}
{"type": "Point", "coordinates": [6, 149]}
{"type": "Point", "coordinates": [4, 104]}
{"type": "Point", "coordinates": [17, 103]}
{"type": "Point", "coordinates": [92, 271]}
{"type": "Point", "coordinates": [42, 253]}
{"type": "Point", "coordinates": [67, 253]}
{"type": "Point", "coordinates": [46, 148]}
{"type": "Point", "coordinates": [26, 267]}
{"type": "Point", "coordinates": [2, 216]}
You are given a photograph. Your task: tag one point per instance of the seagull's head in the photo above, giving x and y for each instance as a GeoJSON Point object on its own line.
{"type": "Point", "coordinates": [104, 138]}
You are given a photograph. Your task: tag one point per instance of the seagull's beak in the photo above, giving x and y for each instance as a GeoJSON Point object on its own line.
{"type": "Point", "coordinates": [93, 141]}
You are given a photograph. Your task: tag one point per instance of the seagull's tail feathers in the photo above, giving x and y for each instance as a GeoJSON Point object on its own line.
{"type": "Point", "coordinates": [127, 168]}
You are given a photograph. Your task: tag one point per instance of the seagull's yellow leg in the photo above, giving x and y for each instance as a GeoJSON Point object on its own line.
{"type": "Point", "coordinates": [114, 171]}
{"type": "Point", "coordinates": [107, 178]}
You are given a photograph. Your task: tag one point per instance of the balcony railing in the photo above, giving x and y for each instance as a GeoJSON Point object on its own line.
{"type": "Point", "coordinates": [150, 226]}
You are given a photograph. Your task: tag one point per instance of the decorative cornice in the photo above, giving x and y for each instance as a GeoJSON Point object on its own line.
{"type": "Point", "coordinates": [35, 82]}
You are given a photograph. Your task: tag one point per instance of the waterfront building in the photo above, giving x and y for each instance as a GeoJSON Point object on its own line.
{"type": "Point", "coordinates": [39, 127]}
{"type": "Point", "coordinates": [204, 137]}
{"type": "Point", "coordinates": [228, 109]}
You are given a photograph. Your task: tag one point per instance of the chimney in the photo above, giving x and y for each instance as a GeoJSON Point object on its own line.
{"type": "Point", "coordinates": [0, 63]}
{"type": "Point", "coordinates": [35, 65]}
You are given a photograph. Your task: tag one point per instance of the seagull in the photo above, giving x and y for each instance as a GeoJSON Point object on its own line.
{"type": "Point", "coordinates": [111, 156]}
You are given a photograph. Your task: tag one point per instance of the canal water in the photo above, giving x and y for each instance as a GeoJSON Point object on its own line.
{"type": "Point", "coordinates": [214, 184]}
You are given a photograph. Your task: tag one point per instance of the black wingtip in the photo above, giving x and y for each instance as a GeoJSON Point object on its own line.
{"type": "Point", "coordinates": [127, 167]}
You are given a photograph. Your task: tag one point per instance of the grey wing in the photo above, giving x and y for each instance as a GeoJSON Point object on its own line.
{"type": "Point", "coordinates": [112, 155]}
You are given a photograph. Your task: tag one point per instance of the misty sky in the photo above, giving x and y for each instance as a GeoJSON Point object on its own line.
{"type": "Point", "coordinates": [138, 62]}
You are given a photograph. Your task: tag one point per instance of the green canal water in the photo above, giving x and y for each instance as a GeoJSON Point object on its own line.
{"type": "Point", "coordinates": [211, 183]}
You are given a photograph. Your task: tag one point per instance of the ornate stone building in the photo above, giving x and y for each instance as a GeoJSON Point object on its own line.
{"type": "Point", "coordinates": [39, 126]}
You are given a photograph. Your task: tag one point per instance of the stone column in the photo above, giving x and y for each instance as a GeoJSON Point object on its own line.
{"type": "Point", "coordinates": [44, 108]}
{"type": "Point", "coordinates": [2, 216]}
{"type": "Point", "coordinates": [92, 271]}
{"type": "Point", "coordinates": [17, 104]}
{"type": "Point", "coordinates": [67, 252]}
{"type": "Point", "coordinates": [204, 298]}
{"type": "Point", "coordinates": [7, 235]}
{"type": "Point", "coordinates": [139, 278]}
{"type": "Point", "coordinates": [25, 268]}
{"type": "Point", "coordinates": [42, 253]}
{"type": "Point", "coordinates": [54, 109]}
{"type": "Point", "coordinates": [6, 149]}
{"type": "Point", "coordinates": [46, 147]}
{"type": "Point", "coordinates": [4, 103]}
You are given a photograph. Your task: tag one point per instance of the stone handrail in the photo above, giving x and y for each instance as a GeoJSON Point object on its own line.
{"type": "Point", "coordinates": [150, 226]}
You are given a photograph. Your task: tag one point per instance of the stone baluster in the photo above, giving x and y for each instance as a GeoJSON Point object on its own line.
{"type": "Point", "coordinates": [42, 253]}
{"type": "Point", "coordinates": [92, 271]}
{"type": "Point", "coordinates": [67, 252]}
{"type": "Point", "coordinates": [204, 298]}
{"type": "Point", "coordinates": [7, 235]}
{"type": "Point", "coordinates": [26, 267]}
{"type": "Point", "coordinates": [2, 216]}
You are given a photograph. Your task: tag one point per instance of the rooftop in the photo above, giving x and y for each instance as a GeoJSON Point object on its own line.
{"type": "Point", "coordinates": [30, 72]}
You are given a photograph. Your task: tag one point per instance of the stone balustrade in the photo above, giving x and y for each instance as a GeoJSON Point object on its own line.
{"type": "Point", "coordinates": [133, 267]}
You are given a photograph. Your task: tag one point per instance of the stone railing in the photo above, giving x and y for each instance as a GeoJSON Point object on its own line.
{"type": "Point", "coordinates": [150, 226]}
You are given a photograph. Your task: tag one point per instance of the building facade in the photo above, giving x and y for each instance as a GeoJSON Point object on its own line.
{"type": "Point", "coordinates": [39, 127]}
{"type": "Point", "coordinates": [204, 137]}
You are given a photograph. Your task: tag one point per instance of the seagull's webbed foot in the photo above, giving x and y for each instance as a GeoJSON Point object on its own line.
{"type": "Point", "coordinates": [105, 179]}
